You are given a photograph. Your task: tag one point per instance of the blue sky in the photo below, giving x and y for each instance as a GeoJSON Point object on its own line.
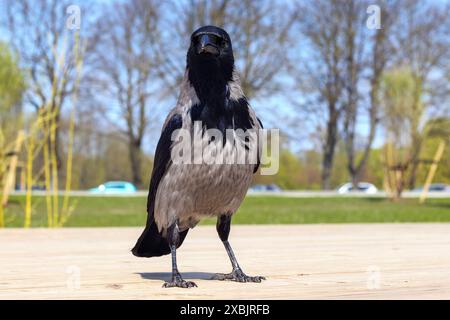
{"type": "Point", "coordinates": [269, 110]}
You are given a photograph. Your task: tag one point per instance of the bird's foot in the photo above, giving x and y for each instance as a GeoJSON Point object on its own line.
{"type": "Point", "coordinates": [237, 275]}
{"type": "Point", "coordinates": [178, 281]}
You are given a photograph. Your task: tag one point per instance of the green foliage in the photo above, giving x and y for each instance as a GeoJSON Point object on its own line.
{"type": "Point", "coordinates": [302, 171]}
{"type": "Point", "coordinates": [109, 162]}
{"type": "Point", "coordinates": [438, 128]}
{"type": "Point", "coordinates": [339, 173]}
{"type": "Point", "coordinates": [402, 105]}
{"type": "Point", "coordinates": [427, 153]}
{"type": "Point", "coordinates": [295, 171]}
{"type": "Point", "coordinates": [435, 130]}
{"type": "Point", "coordinates": [374, 172]}
{"type": "Point", "coordinates": [12, 86]}
{"type": "Point", "coordinates": [288, 176]}
{"type": "Point", "coordinates": [12, 80]}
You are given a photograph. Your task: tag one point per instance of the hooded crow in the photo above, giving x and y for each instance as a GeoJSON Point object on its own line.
{"type": "Point", "coordinates": [181, 194]}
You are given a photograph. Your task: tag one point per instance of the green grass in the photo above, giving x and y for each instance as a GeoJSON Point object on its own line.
{"type": "Point", "coordinates": [130, 211]}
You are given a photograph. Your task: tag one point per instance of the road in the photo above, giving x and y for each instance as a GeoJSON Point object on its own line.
{"type": "Point", "coordinates": [346, 261]}
{"type": "Point", "coordinates": [290, 193]}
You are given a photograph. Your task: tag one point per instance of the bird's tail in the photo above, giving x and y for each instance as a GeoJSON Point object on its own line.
{"type": "Point", "coordinates": [151, 243]}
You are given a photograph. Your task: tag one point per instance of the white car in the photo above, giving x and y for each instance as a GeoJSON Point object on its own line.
{"type": "Point", "coordinates": [363, 187]}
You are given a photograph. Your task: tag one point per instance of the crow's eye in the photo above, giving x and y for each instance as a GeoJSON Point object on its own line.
{"type": "Point", "coordinates": [223, 43]}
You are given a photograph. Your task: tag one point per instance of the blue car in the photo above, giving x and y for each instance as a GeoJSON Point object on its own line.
{"type": "Point", "coordinates": [265, 188]}
{"type": "Point", "coordinates": [115, 187]}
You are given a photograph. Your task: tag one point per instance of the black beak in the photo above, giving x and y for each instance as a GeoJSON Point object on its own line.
{"type": "Point", "coordinates": [206, 45]}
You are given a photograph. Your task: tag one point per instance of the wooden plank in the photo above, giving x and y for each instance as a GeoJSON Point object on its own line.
{"type": "Point", "coordinates": [347, 261]}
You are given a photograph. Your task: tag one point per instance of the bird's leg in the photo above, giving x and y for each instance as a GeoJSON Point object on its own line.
{"type": "Point", "coordinates": [223, 229]}
{"type": "Point", "coordinates": [173, 236]}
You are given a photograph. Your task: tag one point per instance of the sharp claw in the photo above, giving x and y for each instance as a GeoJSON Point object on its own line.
{"type": "Point", "coordinates": [258, 279]}
{"type": "Point", "coordinates": [179, 284]}
{"type": "Point", "coordinates": [237, 276]}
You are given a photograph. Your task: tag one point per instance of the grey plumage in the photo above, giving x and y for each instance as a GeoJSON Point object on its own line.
{"type": "Point", "coordinates": [188, 192]}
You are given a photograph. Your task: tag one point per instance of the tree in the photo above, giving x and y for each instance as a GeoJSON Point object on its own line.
{"type": "Point", "coordinates": [12, 86]}
{"type": "Point", "coordinates": [422, 42]}
{"type": "Point", "coordinates": [317, 72]}
{"type": "Point", "coordinates": [38, 32]}
{"type": "Point", "coordinates": [402, 112]}
{"type": "Point", "coordinates": [367, 54]}
{"type": "Point", "coordinates": [127, 60]}
{"type": "Point", "coordinates": [438, 131]}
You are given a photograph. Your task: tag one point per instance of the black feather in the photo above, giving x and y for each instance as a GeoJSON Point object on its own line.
{"type": "Point", "coordinates": [233, 114]}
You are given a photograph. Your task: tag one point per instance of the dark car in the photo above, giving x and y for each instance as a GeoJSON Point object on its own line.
{"type": "Point", "coordinates": [436, 187]}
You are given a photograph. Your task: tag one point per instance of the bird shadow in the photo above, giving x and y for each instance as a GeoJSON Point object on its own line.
{"type": "Point", "coordinates": [166, 276]}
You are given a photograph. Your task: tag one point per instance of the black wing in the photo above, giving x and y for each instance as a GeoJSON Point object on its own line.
{"type": "Point", "coordinates": [151, 243]}
{"type": "Point", "coordinates": [162, 159]}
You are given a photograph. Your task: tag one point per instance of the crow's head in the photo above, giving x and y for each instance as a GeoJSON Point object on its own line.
{"type": "Point", "coordinates": [210, 51]}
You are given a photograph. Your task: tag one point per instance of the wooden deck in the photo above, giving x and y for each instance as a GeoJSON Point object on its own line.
{"type": "Point", "coordinates": [371, 261]}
